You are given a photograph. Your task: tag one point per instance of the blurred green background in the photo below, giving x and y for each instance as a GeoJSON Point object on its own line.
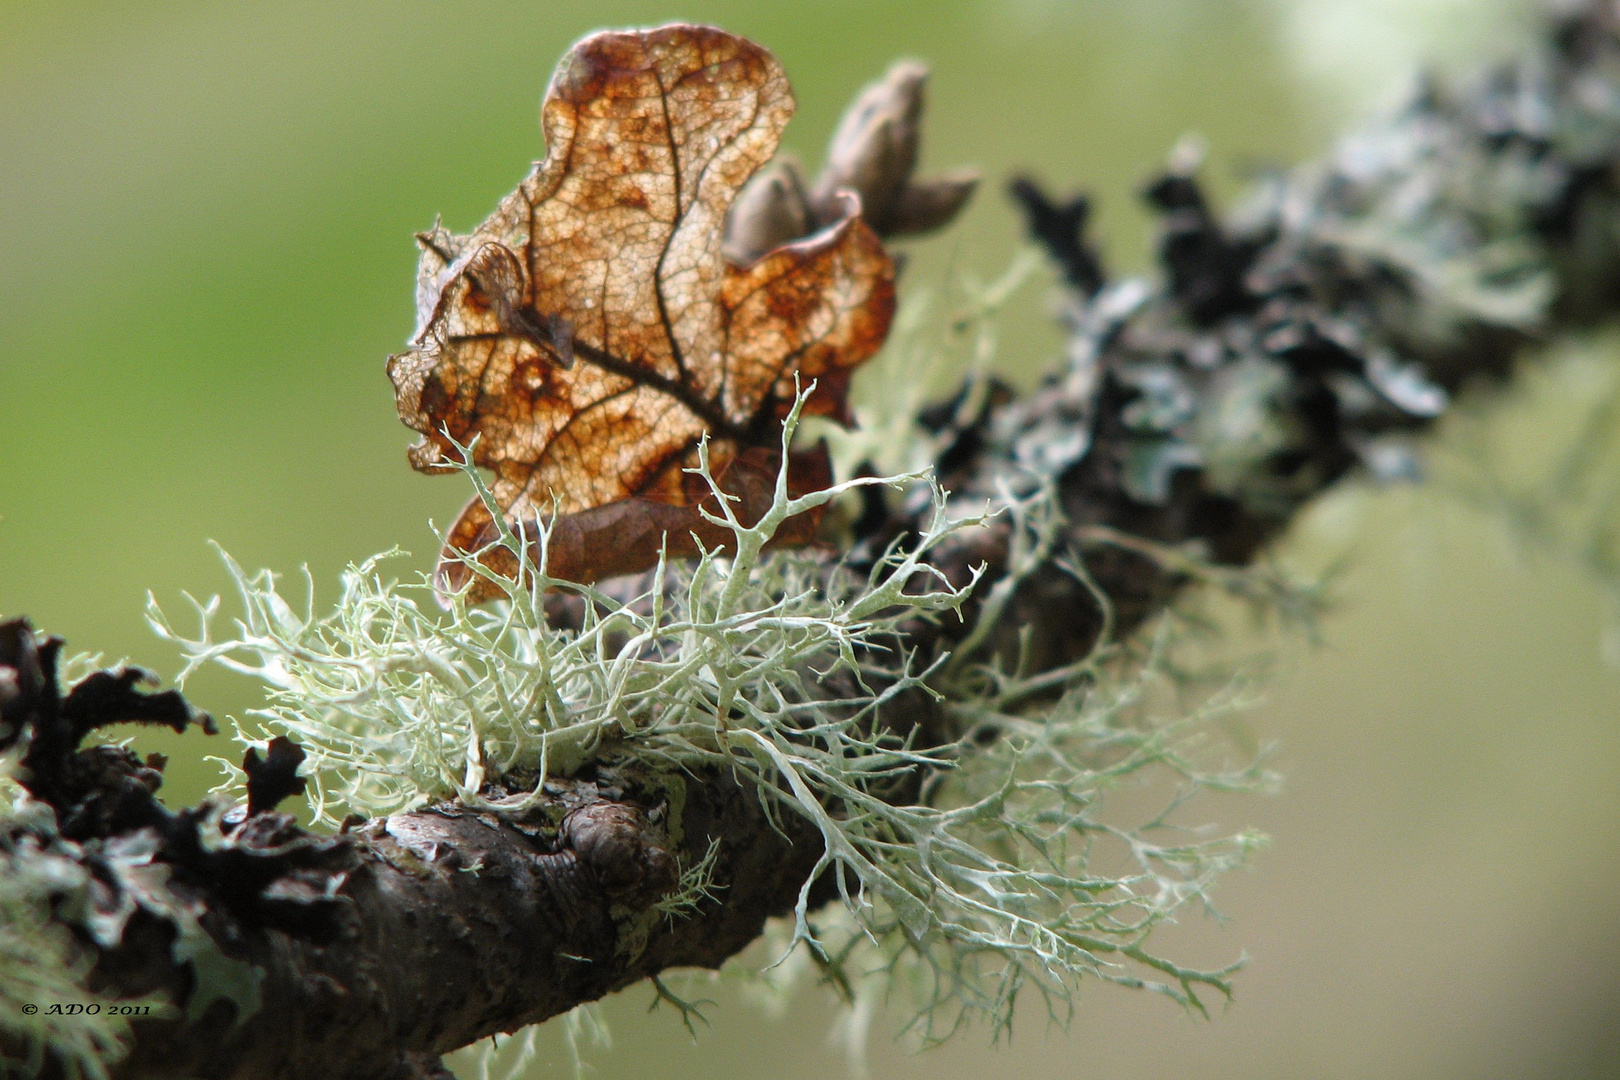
{"type": "Point", "coordinates": [205, 256]}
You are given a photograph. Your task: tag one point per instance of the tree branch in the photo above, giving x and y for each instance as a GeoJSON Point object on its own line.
{"type": "Point", "coordinates": [1303, 339]}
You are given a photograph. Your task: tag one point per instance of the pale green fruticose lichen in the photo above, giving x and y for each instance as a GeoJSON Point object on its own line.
{"type": "Point", "coordinates": [998, 884]}
{"type": "Point", "coordinates": [1011, 878]}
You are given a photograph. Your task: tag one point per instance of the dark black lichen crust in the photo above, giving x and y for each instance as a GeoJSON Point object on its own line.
{"type": "Point", "coordinates": [1319, 328]}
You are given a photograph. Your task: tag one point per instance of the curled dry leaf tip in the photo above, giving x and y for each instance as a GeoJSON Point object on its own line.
{"type": "Point", "coordinates": [874, 153]}
{"type": "Point", "coordinates": [771, 210]}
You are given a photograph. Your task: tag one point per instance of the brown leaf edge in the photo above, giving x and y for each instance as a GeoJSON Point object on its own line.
{"type": "Point", "coordinates": [630, 535]}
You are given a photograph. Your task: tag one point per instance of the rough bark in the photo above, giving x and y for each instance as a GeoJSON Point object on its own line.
{"type": "Point", "coordinates": [1330, 310]}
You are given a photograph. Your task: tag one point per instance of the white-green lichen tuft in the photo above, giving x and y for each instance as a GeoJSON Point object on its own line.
{"type": "Point", "coordinates": [1006, 881]}
{"type": "Point", "coordinates": [398, 704]}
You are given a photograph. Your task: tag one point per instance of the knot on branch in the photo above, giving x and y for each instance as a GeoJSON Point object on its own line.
{"type": "Point", "coordinates": [613, 841]}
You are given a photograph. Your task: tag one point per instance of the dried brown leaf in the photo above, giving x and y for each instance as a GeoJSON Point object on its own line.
{"type": "Point", "coordinates": [592, 331]}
